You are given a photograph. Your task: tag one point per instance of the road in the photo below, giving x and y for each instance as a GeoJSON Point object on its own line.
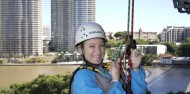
{"type": "Point", "coordinates": [162, 80]}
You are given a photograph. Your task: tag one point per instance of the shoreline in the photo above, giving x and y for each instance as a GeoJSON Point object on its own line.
{"type": "Point", "coordinates": [43, 64]}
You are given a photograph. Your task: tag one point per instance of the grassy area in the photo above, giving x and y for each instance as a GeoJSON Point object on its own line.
{"type": "Point", "coordinates": [30, 59]}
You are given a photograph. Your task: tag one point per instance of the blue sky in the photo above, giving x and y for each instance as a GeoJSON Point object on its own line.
{"type": "Point", "coordinates": [150, 15]}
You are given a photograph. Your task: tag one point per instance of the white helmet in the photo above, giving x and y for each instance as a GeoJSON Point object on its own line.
{"type": "Point", "coordinates": [89, 30]}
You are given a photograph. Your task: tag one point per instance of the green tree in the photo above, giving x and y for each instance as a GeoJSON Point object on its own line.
{"type": "Point", "coordinates": [55, 60]}
{"type": "Point", "coordinates": [159, 37]}
{"type": "Point", "coordinates": [187, 40]}
{"type": "Point", "coordinates": [57, 50]}
{"type": "Point", "coordinates": [148, 58]}
{"type": "Point", "coordinates": [12, 55]}
{"type": "Point", "coordinates": [140, 41]}
{"type": "Point", "coordinates": [110, 36]}
{"type": "Point", "coordinates": [120, 34]}
{"type": "Point", "coordinates": [1, 61]}
{"type": "Point", "coordinates": [183, 50]}
{"type": "Point", "coordinates": [152, 41]}
{"type": "Point", "coordinates": [171, 48]}
{"type": "Point", "coordinates": [113, 43]}
{"type": "Point", "coordinates": [109, 53]}
{"type": "Point", "coordinates": [43, 84]}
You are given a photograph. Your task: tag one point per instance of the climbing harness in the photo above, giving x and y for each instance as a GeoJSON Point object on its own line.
{"type": "Point", "coordinates": [92, 68]}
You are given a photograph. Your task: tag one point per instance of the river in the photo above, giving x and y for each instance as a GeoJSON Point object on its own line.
{"type": "Point", "coordinates": [159, 79]}
{"type": "Point", "coordinates": [20, 74]}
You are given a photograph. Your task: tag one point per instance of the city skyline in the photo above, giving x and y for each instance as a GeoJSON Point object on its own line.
{"type": "Point", "coordinates": [152, 15]}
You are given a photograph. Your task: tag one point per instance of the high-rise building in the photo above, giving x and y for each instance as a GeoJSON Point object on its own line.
{"type": "Point", "coordinates": [60, 23]}
{"type": "Point", "coordinates": [46, 32]}
{"type": "Point", "coordinates": [21, 27]}
{"type": "Point", "coordinates": [175, 34]}
{"type": "Point", "coordinates": [66, 17]}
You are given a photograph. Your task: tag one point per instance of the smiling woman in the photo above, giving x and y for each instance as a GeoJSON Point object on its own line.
{"type": "Point", "coordinates": [92, 77]}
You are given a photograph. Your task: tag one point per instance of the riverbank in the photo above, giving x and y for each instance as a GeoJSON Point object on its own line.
{"type": "Point", "coordinates": [44, 58]}
{"type": "Point", "coordinates": [43, 64]}
{"type": "Point", "coordinates": [19, 74]}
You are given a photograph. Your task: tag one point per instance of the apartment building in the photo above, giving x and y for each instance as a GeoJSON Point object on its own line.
{"type": "Point", "coordinates": [66, 17]}
{"type": "Point", "coordinates": [21, 27]}
{"type": "Point", "coordinates": [175, 34]}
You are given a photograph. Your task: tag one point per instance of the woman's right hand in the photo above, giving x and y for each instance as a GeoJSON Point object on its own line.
{"type": "Point", "coordinates": [114, 71]}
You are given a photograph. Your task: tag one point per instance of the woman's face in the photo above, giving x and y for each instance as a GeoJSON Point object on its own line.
{"type": "Point", "coordinates": [136, 58]}
{"type": "Point", "coordinates": [94, 50]}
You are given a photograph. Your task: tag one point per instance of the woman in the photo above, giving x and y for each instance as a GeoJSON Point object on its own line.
{"type": "Point", "coordinates": [138, 84]}
{"type": "Point", "coordinates": [91, 78]}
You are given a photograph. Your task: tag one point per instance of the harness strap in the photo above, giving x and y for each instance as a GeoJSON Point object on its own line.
{"type": "Point", "coordinates": [93, 69]}
{"type": "Point", "coordinates": [84, 67]}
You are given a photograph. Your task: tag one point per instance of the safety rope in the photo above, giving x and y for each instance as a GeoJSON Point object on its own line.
{"type": "Point", "coordinates": [127, 41]}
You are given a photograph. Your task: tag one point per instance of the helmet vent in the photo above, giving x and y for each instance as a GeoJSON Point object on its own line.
{"type": "Point", "coordinates": [87, 31]}
{"type": "Point", "coordinates": [82, 29]}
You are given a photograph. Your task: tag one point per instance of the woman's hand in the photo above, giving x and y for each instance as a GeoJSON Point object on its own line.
{"type": "Point", "coordinates": [115, 71]}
